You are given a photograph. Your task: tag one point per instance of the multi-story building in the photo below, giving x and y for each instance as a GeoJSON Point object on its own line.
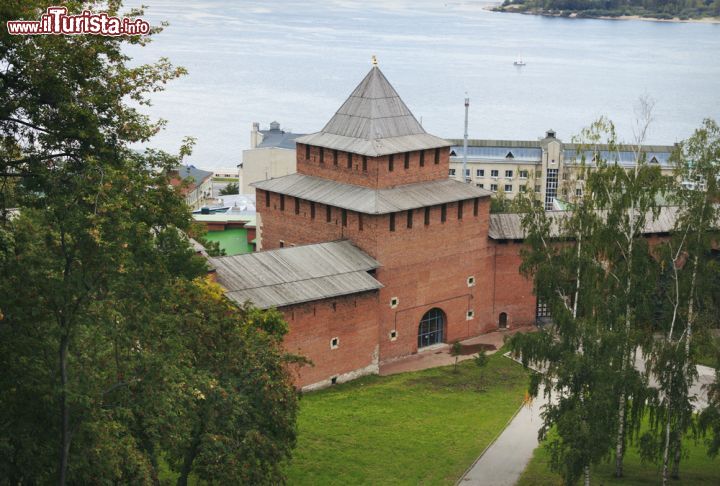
{"type": "Point", "coordinates": [198, 184]}
{"type": "Point", "coordinates": [549, 167]}
{"type": "Point", "coordinates": [271, 154]}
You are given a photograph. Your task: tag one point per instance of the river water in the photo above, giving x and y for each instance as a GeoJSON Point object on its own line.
{"type": "Point", "coordinates": [297, 61]}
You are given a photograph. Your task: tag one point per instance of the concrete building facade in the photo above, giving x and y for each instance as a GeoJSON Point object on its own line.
{"type": "Point", "coordinates": [271, 154]}
{"type": "Point", "coordinates": [196, 184]}
{"type": "Point", "coordinates": [549, 167]}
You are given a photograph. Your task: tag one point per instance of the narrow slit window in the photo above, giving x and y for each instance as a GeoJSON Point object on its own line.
{"type": "Point", "coordinates": [312, 210]}
{"type": "Point", "coordinates": [297, 205]}
{"type": "Point", "coordinates": [344, 217]}
{"type": "Point", "coordinates": [409, 218]}
{"type": "Point", "coordinates": [427, 216]}
{"type": "Point", "coordinates": [391, 163]}
{"type": "Point", "coordinates": [407, 160]}
{"type": "Point", "coordinates": [335, 158]}
{"type": "Point", "coordinates": [460, 209]}
{"type": "Point", "coordinates": [437, 156]}
{"type": "Point", "coordinates": [360, 221]}
{"type": "Point", "coordinates": [443, 213]}
{"type": "Point", "coordinates": [322, 155]}
{"type": "Point", "coordinates": [476, 203]}
{"type": "Point", "coordinates": [364, 163]}
{"type": "Point", "coordinates": [307, 152]}
{"type": "Point", "coordinates": [328, 213]}
{"type": "Point", "coordinates": [422, 158]}
{"type": "Point", "coordinates": [282, 202]}
{"type": "Point", "coordinates": [349, 161]}
{"type": "Point", "coordinates": [267, 199]}
{"type": "Point", "coordinates": [392, 221]}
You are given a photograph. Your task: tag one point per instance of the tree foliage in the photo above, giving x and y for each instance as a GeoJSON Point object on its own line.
{"type": "Point", "coordinates": [659, 9]}
{"type": "Point", "coordinates": [115, 352]}
{"type": "Point", "coordinates": [594, 270]}
{"type": "Point", "coordinates": [230, 189]}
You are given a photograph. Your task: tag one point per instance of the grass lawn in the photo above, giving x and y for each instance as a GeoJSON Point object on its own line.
{"type": "Point", "coordinates": [423, 427]}
{"type": "Point", "coordinates": [696, 469]}
{"type": "Point", "coordinates": [708, 352]}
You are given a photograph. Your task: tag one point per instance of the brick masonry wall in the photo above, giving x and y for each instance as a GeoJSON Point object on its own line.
{"type": "Point", "coordinates": [301, 229]}
{"type": "Point", "coordinates": [428, 266]}
{"type": "Point", "coordinates": [513, 293]}
{"type": "Point", "coordinates": [424, 266]}
{"type": "Point", "coordinates": [351, 319]}
{"type": "Point", "coordinates": [377, 173]}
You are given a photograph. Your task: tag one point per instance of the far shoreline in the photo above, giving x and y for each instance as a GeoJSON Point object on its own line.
{"type": "Point", "coordinates": [495, 7]}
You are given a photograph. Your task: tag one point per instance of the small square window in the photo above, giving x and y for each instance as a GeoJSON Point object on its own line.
{"type": "Point", "coordinates": [508, 188]}
{"type": "Point", "coordinates": [470, 315]}
{"type": "Point", "coordinates": [393, 335]}
{"type": "Point", "coordinates": [471, 281]}
{"type": "Point", "coordinates": [481, 186]}
{"type": "Point", "coordinates": [508, 173]}
{"type": "Point", "coordinates": [480, 172]}
{"type": "Point", "coordinates": [394, 302]}
{"type": "Point", "coordinates": [334, 343]}
{"type": "Point", "coordinates": [494, 173]}
{"type": "Point", "coordinates": [493, 187]}
{"type": "Point", "coordinates": [452, 172]}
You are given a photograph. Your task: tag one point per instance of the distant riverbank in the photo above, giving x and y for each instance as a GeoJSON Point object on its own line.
{"type": "Point", "coordinates": [522, 9]}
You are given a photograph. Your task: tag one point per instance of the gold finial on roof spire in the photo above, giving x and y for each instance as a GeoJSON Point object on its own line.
{"type": "Point", "coordinates": [374, 60]}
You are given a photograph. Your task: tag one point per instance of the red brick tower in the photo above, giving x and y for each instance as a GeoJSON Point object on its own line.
{"type": "Point", "coordinates": [374, 176]}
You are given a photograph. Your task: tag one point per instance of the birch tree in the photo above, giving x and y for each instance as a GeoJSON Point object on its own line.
{"type": "Point", "coordinates": [594, 269]}
{"type": "Point", "coordinates": [627, 197]}
{"type": "Point", "coordinates": [687, 298]}
{"type": "Point", "coordinates": [571, 353]}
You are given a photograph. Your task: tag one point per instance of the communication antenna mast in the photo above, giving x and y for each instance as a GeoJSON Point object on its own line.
{"type": "Point", "coordinates": [465, 178]}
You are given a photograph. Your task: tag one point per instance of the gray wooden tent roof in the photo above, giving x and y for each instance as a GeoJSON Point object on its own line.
{"type": "Point", "coordinates": [372, 201]}
{"type": "Point", "coordinates": [374, 121]}
{"type": "Point", "coordinates": [278, 278]}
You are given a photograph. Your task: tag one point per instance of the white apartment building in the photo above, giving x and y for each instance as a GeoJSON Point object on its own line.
{"type": "Point", "coordinates": [547, 166]}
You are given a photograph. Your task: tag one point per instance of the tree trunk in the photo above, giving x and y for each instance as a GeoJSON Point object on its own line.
{"type": "Point", "coordinates": [676, 460]}
{"type": "Point", "coordinates": [188, 462]}
{"type": "Point", "coordinates": [666, 449]}
{"type": "Point", "coordinates": [192, 452]}
{"type": "Point", "coordinates": [64, 412]}
{"type": "Point", "coordinates": [620, 444]}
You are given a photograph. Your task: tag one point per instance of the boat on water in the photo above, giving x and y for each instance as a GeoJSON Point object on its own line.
{"type": "Point", "coordinates": [519, 62]}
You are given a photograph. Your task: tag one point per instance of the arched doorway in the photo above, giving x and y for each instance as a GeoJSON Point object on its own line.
{"type": "Point", "coordinates": [502, 321]}
{"type": "Point", "coordinates": [432, 328]}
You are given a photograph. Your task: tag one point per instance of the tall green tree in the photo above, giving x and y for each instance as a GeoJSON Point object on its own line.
{"type": "Point", "coordinates": [594, 269]}
{"type": "Point", "coordinates": [101, 351]}
{"type": "Point", "coordinates": [628, 200]}
{"type": "Point", "coordinates": [571, 353]}
{"type": "Point", "coordinates": [688, 299]}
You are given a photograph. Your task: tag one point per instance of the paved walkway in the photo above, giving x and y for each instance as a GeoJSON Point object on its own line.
{"type": "Point", "coordinates": [504, 460]}
{"type": "Point", "coordinates": [439, 355]}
